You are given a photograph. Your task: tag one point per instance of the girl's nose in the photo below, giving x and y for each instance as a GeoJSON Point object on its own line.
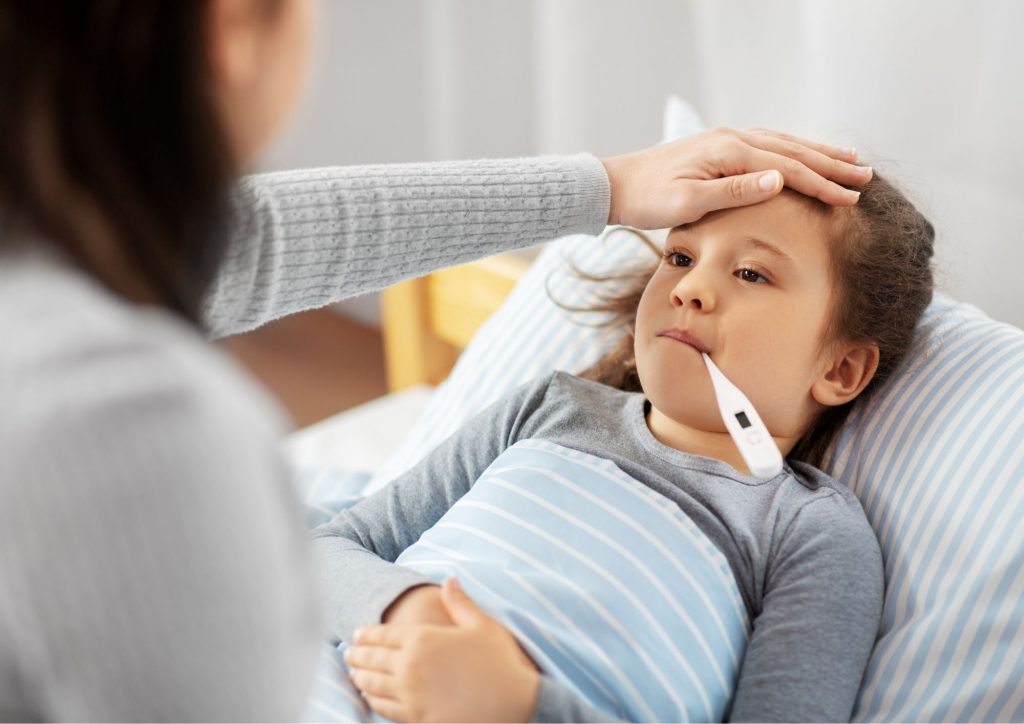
{"type": "Point", "coordinates": [692, 292]}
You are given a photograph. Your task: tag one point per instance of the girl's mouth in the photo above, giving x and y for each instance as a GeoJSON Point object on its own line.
{"type": "Point", "coordinates": [682, 335]}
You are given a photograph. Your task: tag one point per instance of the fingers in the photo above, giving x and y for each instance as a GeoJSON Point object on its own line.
{"type": "Point", "coordinates": [704, 197]}
{"type": "Point", "coordinates": [374, 683]}
{"type": "Point", "coordinates": [390, 635]}
{"type": "Point", "coordinates": [371, 668]}
{"type": "Point", "coordinates": [802, 178]}
{"type": "Point", "coordinates": [845, 154]}
{"type": "Point", "coordinates": [371, 658]}
{"type": "Point", "coordinates": [824, 165]}
{"type": "Point", "coordinates": [388, 708]}
{"type": "Point", "coordinates": [679, 182]}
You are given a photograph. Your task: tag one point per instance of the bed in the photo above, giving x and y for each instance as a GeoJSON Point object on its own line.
{"type": "Point", "coordinates": [936, 459]}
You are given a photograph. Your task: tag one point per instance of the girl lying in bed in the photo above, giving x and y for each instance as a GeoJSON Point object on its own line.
{"type": "Point", "coordinates": [616, 558]}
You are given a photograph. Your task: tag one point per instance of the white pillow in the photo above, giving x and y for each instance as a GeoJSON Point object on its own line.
{"type": "Point", "coordinates": [936, 458]}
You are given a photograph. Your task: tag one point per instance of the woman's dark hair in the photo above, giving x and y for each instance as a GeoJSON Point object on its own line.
{"type": "Point", "coordinates": [112, 149]}
{"type": "Point", "coordinates": [880, 251]}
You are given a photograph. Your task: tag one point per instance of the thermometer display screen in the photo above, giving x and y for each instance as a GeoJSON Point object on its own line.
{"type": "Point", "coordinates": [743, 420]}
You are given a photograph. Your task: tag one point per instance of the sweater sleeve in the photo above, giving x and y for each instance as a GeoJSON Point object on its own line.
{"type": "Point", "coordinates": [306, 238]}
{"type": "Point", "coordinates": [820, 616]}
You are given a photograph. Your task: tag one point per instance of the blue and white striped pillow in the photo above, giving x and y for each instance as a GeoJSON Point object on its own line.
{"type": "Point", "coordinates": [937, 460]}
{"type": "Point", "coordinates": [936, 457]}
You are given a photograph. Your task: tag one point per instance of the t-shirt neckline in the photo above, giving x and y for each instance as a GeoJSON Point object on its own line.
{"type": "Point", "coordinates": [679, 458]}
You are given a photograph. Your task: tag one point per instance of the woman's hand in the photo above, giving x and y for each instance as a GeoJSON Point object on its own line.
{"type": "Point", "coordinates": [678, 182]}
{"type": "Point", "coordinates": [472, 671]}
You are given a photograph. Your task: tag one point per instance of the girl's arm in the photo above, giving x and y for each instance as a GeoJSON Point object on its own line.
{"type": "Point", "coordinates": [306, 238]}
{"type": "Point", "coordinates": [357, 549]}
{"type": "Point", "coordinates": [820, 616]}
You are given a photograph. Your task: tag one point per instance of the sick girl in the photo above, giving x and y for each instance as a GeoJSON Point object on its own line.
{"type": "Point", "coordinates": [582, 609]}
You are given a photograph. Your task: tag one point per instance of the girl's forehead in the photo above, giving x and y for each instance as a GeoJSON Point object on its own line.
{"type": "Point", "coordinates": [788, 222]}
{"type": "Point", "coordinates": [787, 206]}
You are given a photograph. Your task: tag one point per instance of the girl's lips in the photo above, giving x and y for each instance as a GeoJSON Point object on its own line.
{"type": "Point", "coordinates": [681, 335]}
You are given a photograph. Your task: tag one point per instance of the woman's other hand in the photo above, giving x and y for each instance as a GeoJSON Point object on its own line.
{"type": "Point", "coordinates": [472, 671]}
{"type": "Point", "coordinates": [678, 182]}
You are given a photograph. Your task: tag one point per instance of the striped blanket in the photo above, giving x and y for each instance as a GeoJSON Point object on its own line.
{"type": "Point", "coordinates": [608, 585]}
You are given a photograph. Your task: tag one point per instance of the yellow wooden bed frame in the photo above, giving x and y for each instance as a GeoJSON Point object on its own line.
{"type": "Point", "coordinates": [428, 321]}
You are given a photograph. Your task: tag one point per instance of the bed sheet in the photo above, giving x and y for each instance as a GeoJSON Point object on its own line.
{"type": "Point", "coordinates": [333, 461]}
{"type": "Point", "coordinates": [363, 437]}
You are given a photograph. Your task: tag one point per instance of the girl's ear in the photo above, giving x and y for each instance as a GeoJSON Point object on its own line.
{"type": "Point", "coordinates": [849, 372]}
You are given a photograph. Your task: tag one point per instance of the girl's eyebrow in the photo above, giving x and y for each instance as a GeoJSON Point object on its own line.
{"type": "Point", "coordinates": [751, 241]}
{"type": "Point", "coordinates": [769, 248]}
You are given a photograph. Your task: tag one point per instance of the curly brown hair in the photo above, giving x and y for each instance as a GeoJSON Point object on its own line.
{"type": "Point", "coordinates": [880, 252]}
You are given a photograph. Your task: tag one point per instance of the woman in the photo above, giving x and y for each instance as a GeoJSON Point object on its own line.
{"type": "Point", "coordinates": [152, 561]}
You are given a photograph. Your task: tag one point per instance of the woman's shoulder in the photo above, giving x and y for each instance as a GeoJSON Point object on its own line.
{"type": "Point", "coordinates": [59, 325]}
{"type": "Point", "coordinates": [79, 362]}
{"type": "Point", "coordinates": [139, 474]}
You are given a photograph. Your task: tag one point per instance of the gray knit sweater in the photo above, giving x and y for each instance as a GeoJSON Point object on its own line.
{"type": "Point", "coordinates": [152, 562]}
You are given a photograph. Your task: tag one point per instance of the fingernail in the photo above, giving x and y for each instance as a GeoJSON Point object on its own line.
{"type": "Point", "coordinates": [456, 586]}
{"type": "Point", "coordinates": [855, 195]}
{"type": "Point", "coordinates": [357, 634]}
{"type": "Point", "coordinates": [851, 151]}
{"type": "Point", "coordinates": [768, 181]}
{"type": "Point", "coordinates": [866, 171]}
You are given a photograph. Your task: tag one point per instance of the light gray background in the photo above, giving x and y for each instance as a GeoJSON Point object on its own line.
{"type": "Point", "coordinates": [932, 93]}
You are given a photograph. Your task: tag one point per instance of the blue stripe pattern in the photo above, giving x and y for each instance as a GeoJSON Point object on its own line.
{"type": "Point", "coordinates": [938, 462]}
{"type": "Point", "coordinates": [936, 458]}
{"type": "Point", "coordinates": [611, 588]}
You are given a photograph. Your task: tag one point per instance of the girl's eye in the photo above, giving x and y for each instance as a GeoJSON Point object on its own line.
{"type": "Point", "coordinates": [749, 275]}
{"type": "Point", "coordinates": [676, 258]}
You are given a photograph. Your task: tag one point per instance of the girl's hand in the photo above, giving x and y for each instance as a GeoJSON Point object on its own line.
{"type": "Point", "coordinates": [472, 671]}
{"type": "Point", "coordinates": [678, 182]}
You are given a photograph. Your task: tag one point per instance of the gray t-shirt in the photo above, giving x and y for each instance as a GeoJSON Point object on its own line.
{"type": "Point", "coordinates": [805, 560]}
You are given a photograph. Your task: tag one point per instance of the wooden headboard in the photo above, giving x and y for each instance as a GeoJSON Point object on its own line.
{"type": "Point", "coordinates": [429, 321]}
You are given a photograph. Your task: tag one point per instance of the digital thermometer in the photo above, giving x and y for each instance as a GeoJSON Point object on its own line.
{"type": "Point", "coordinates": [756, 445]}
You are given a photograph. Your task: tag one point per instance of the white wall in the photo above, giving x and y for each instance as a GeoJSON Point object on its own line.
{"type": "Point", "coordinates": [930, 92]}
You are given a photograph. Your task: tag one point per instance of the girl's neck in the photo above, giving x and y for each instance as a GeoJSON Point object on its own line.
{"type": "Point", "coordinates": [708, 443]}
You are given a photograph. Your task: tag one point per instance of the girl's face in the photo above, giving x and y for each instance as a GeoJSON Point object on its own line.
{"type": "Point", "coordinates": [751, 287]}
